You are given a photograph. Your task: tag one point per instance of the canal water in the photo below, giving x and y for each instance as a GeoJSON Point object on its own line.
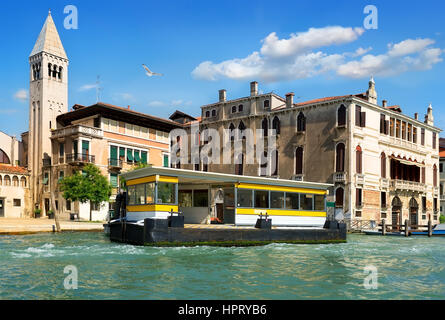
{"type": "Point", "coordinates": [32, 267]}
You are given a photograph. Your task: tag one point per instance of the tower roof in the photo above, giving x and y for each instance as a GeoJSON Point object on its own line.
{"type": "Point", "coordinates": [49, 40]}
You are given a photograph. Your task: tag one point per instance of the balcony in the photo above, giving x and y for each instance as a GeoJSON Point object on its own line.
{"type": "Point", "coordinates": [384, 183]}
{"type": "Point", "coordinates": [77, 130]}
{"type": "Point", "coordinates": [77, 158]}
{"type": "Point", "coordinates": [359, 178]}
{"type": "Point", "coordinates": [401, 143]}
{"type": "Point", "coordinates": [408, 186]}
{"type": "Point", "coordinates": [115, 163]}
{"type": "Point", "coordinates": [340, 177]}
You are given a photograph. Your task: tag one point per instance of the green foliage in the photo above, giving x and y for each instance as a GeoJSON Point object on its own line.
{"type": "Point", "coordinates": [38, 211]}
{"type": "Point", "coordinates": [90, 185]}
{"type": "Point", "coordinates": [442, 219]}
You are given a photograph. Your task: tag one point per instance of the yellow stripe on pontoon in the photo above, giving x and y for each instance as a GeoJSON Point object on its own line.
{"type": "Point", "coordinates": [273, 212]}
{"type": "Point", "coordinates": [152, 207]}
{"type": "Point", "coordinates": [152, 179]}
{"type": "Point", "coordinates": [279, 188]}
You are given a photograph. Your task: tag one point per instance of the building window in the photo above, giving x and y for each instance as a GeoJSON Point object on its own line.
{"type": "Point", "coordinates": [424, 204]}
{"type": "Point", "coordinates": [113, 180]}
{"type": "Point", "coordinates": [434, 140]}
{"type": "Point", "coordinates": [422, 136]}
{"type": "Point", "coordinates": [61, 149]}
{"type": "Point", "coordinates": [441, 167]}
{"type": "Point", "coordinates": [360, 117]}
{"type": "Point", "coordinates": [232, 132]}
{"type": "Point", "coordinates": [383, 165]}
{"type": "Point", "coordinates": [263, 165]}
{"type": "Point", "coordinates": [240, 108]}
{"type": "Point", "coordinates": [341, 116]}
{"type": "Point", "coordinates": [339, 195]}
{"type": "Point", "coordinates": [213, 113]}
{"type": "Point", "coordinates": [7, 180]}
{"type": "Point", "coordinates": [435, 206]}
{"type": "Point", "coordinates": [265, 126]}
{"type": "Point", "coordinates": [4, 157]}
{"type": "Point", "coordinates": [275, 163]}
{"type": "Point", "coordinates": [358, 214]}
{"type": "Point", "coordinates": [68, 205]}
{"type": "Point", "coordinates": [414, 135]}
{"type": "Point", "coordinates": [266, 104]}
{"type": "Point", "coordinates": [207, 114]}
{"type": "Point", "coordinates": [301, 122]}
{"type": "Point", "coordinates": [17, 202]}
{"type": "Point", "coordinates": [435, 176]}
{"type": "Point", "coordinates": [276, 125]}
{"type": "Point", "coordinates": [233, 109]}
{"type": "Point", "coordinates": [340, 158]}
{"type": "Point", "coordinates": [358, 197]}
{"type": "Point", "coordinates": [299, 161]}
{"type": "Point", "coordinates": [241, 128]}
{"type": "Point", "coordinates": [383, 200]}
{"type": "Point", "coordinates": [358, 162]}
{"type": "Point", "coordinates": [22, 182]}
{"type": "Point", "coordinates": [205, 164]}
{"type": "Point", "coordinates": [15, 181]}
{"type": "Point", "coordinates": [239, 165]}
{"type": "Point", "coordinates": [166, 161]}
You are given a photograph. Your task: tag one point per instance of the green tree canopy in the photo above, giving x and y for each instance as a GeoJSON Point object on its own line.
{"type": "Point", "coordinates": [88, 185]}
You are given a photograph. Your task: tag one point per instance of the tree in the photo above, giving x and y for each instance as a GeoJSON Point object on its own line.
{"type": "Point", "coordinates": [86, 185]}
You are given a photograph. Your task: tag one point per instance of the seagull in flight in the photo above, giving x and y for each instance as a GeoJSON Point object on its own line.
{"type": "Point", "coordinates": [150, 73]}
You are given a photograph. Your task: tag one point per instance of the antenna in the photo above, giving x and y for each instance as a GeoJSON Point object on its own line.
{"type": "Point", "coordinates": [98, 89]}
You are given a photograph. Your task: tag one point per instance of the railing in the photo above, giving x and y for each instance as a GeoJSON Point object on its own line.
{"type": "Point", "coordinates": [360, 225]}
{"type": "Point", "coordinates": [408, 185]}
{"type": "Point", "coordinates": [115, 163]}
{"type": "Point", "coordinates": [80, 158]}
{"type": "Point", "coordinates": [340, 177]}
{"type": "Point", "coordinates": [298, 177]}
{"type": "Point", "coordinates": [359, 178]}
{"type": "Point", "coordinates": [384, 183]}
{"type": "Point", "coordinates": [77, 129]}
{"type": "Point", "coordinates": [405, 144]}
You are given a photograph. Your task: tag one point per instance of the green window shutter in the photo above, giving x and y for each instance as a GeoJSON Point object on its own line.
{"type": "Point", "coordinates": [113, 152]}
{"type": "Point", "coordinates": [137, 158]}
{"type": "Point", "coordinates": [113, 179]}
{"type": "Point", "coordinates": [45, 180]}
{"type": "Point", "coordinates": [144, 157]}
{"type": "Point", "coordinates": [122, 152]}
{"type": "Point", "coordinates": [85, 145]}
{"type": "Point", "coordinates": [166, 161]}
{"type": "Point", "coordinates": [129, 155]}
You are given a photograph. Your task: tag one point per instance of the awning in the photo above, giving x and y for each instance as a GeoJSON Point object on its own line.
{"type": "Point", "coordinates": [408, 162]}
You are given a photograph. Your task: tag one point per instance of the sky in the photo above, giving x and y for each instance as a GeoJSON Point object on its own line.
{"type": "Point", "coordinates": [312, 48]}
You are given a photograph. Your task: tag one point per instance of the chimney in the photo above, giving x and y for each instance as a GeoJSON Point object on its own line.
{"type": "Point", "coordinates": [384, 103]}
{"type": "Point", "coordinates": [222, 95]}
{"type": "Point", "coordinates": [128, 107]}
{"type": "Point", "coordinates": [416, 116]}
{"type": "Point", "coordinates": [289, 100]}
{"type": "Point", "coordinates": [253, 88]}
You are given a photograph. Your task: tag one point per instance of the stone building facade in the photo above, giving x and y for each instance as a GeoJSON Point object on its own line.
{"type": "Point", "coordinates": [381, 163]}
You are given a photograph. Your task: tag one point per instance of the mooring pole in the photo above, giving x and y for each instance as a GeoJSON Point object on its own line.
{"type": "Point", "coordinates": [406, 228]}
{"type": "Point", "coordinates": [383, 227]}
{"type": "Point", "coordinates": [430, 226]}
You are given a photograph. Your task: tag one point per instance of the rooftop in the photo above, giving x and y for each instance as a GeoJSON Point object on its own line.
{"type": "Point", "coordinates": [6, 168]}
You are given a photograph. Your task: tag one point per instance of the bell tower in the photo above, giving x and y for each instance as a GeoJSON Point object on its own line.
{"type": "Point", "coordinates": [48, 98]}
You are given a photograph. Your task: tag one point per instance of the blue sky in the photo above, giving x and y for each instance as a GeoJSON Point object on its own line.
{"type": "Point", "coordinates": [307, 47]}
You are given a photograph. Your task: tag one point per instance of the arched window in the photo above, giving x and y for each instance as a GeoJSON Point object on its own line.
{"type": "Point", "coordinates": [241, 128]}
{"type": "Point", "coordinates": [301, 122]}
{"type": "Point", "coordinates": [274, 167]}
{"type": "Point", "coordinates": [205, 164]}
{"type": "Point", "coordinates": [207, 114]}
{"type": "Point", "coordinates": [339, 195]}
{"type": "Point", "coordinates": [213, 113]}
{"type": "Point", "coordinates": [23, 182]}
{"type": "Point", "coordinates": [299, 161]}
{"type": "Point", "coordinates": [234, 109]}
{"type": "Point", "coordinates": [15, 181]}
{"type": "Point", "coordinates": [232, 132]}
{"type": "Point", "coordinates": [341, 116]}
{"type": "Point", "coordinates": [266, 104]}
{"type": "Point", "coordinates": [7, 181]}
{"type": "Point", "coordinates": [340, 158]}
{"type": "Point", "coordinates": [358, 164]}
{"type": "Point", "coordinates": [383, 165]}
{"type": "Point", "coordinates": [55, 71]}
{"type": "Point", "coordinates": [276, 125]}
{"type": "Point", "coordinates": [239, 165]}
{"type": "Point", "coordinates": [60, 73]}
{"type": "Point", "coordinates": [49, 70]}
{"type": "Point", "coordinates": [240, 108]}
{"type": "Point", "coordinates": [263, 165]}
{"type": "Point", "coordinates": [4, 157]}
{"type": "Point", "coordinates": [1, 180]}
{"type": "Point", "coordinates": [265, 126]}
{"type": "Point", "coordinates": [435, 176]}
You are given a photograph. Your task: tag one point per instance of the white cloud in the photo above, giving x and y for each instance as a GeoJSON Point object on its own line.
{"type": "Point", "coordinates": [299, 57]}
{"type": "Point", "coordinates": [157, 104]}
{"type": "Point", "coordinates": [87, 87]}
{"type": "Point", "coordinates": [173, 103]}
{"type": "Point", "coordinates": [408, 55]}
{"type": "Point", "coordinates": [21, 95]}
